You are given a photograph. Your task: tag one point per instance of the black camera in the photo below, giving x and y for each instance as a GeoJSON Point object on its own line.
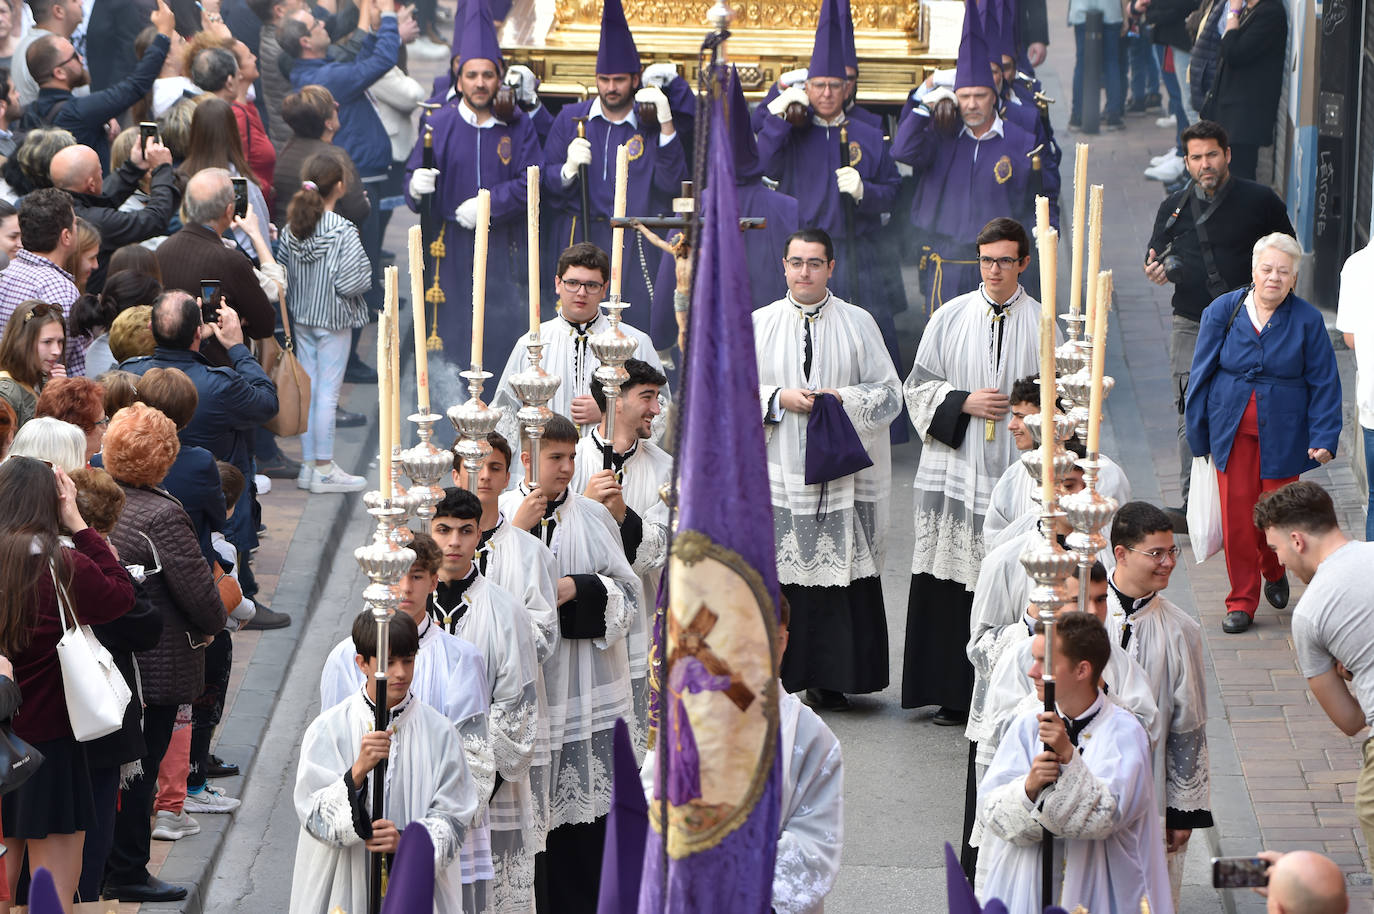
{"type": "Point", "coordinates": [1173, 264]}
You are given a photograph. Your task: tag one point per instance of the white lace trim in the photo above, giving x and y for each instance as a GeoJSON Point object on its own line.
{"type": "Point", "coordinates": [948, 545]}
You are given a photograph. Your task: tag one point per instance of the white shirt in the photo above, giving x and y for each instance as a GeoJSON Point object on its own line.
{"type": "Point", "coordinates": [1355, 315]}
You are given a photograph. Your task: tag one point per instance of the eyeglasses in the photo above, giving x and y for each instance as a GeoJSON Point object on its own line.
{"type": "Point", "coordinates": [1006, 263]}
{"type": "Point", "coordinates": [577, 285]}
{"type": "Point", "coordinates": [827, 85]}
{"type": "Point", "coordinates": [1159, 554]}
{"type": "Point", "coordinates": [812, 263]}
{"type": "Point", "coordinates": [56, 67]}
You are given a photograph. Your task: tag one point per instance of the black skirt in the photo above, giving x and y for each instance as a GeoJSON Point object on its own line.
{"type": "Point", "coordinates": [56, 799]}
{"type": "Point", "coordinates": [935, 666]}
{"type": "Point", "coordinates": [837, 638]}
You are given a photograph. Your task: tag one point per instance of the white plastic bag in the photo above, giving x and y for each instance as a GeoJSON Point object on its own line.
{"type": "Point", "coordinates": [1204, 510]}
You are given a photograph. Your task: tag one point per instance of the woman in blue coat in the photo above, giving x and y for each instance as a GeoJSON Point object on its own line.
{"type": "Point", "coordinates": [1264, 400]}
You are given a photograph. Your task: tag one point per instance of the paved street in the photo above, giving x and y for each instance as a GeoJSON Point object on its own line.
{"type": "Point", "coordinates": [1283, 776]}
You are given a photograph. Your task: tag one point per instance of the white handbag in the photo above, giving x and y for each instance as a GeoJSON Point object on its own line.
{"type": "Point", "coordinates": [95, 689]}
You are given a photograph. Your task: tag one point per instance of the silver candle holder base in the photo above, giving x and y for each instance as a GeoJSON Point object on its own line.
{"type": "Point", "coordinates": [1077, 388]}
{"type": "Point", "coordinates": [425, 464]}
{"type": "Point", "coordinates": [1033, 459]}
{"type": "Point", "coordinates": [535, 387]}
{"type": "Point", "coordinates": [474, 421]}
{"type": "Point", "coordinates": [1089, 512]}
{"type": "Point", "coordinates": [613, 348]}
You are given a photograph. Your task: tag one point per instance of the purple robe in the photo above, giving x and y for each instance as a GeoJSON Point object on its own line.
{"type": "Point", "coordinates": [684, 776]}
{"type": "Point", "coordinates": [853, 110]}
{"type": "Point", "coordinates": [656, 175]}
{"type": "Point", "coordinates": [470, 158]}
{"type": "Point", "coordinates": [1028, 118]}
{"type": "Point", "coordinates": [962, 184]}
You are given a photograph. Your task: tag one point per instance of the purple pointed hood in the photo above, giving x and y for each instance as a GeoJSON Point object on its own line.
{"type": "Point", "coordinates": [617, 53]}
{"type": "Point", "coordinates": [972, 69]}
{"type": "Point", "coordinates": [999, 29]}
{"type": "Point", "coordinates": [746, 146]}
{"type": "Point", "coordinates": [851, 54]}
{"type": "Point", "coordinates": [475, 39]}
{"type": "Point", "coordinates": [827, 56]}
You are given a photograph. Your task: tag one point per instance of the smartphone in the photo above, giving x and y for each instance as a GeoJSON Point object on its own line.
{"type": "Point", "coordinates": [1239, 872]}
{"type": "Point", "coordinates": [147, 130]}
{"type": "Point", "coordinates": [240, 196]}
{"type": "Point", "coordinates": [209, 300]}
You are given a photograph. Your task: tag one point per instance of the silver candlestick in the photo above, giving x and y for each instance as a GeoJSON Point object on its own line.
{"type": "Point", "coordinates": [613, 348]}
{"type": "Point", "coordinates": [1077, 388]}
{"type": "Point", "coordinates": [1074, 353]}
{"type": "Point", "coordinates": [474, 421]}
{"type": "Point", "coordinates": [1032, 460]}
{"type": "Point", "coordinates": [535, 387]}
{"type": "Point", "coordinates": [1089, 511]}
{"type": "Point", "coordinates": [425, 465]}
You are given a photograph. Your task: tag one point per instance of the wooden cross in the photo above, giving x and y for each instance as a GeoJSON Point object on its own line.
{"type": "Point", "coordinates": [691, 642]}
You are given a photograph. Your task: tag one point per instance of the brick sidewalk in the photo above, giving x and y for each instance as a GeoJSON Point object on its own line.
{"type": "Point", "coordinates": [1283, 774]}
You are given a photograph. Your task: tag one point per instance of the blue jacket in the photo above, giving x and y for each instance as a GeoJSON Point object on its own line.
{"type": "Point", "coordinates": [361, 133]}
{"type": "Point", "coordinates": [1291, 369]}
{"type": "Point", "coordinates": [233, 401]}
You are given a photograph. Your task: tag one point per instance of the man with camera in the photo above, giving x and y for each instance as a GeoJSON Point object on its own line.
{"type": "Point", "coordinates": [1202, 243]}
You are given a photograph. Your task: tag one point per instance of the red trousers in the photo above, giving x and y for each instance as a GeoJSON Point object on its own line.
{"type": "Point", "coordinates": [1248, 557]}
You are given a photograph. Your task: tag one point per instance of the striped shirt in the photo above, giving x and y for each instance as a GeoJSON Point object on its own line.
{"type": "Point", "coordinates": [327, 275]}
{"type": "Point", "coordinates": [30, 276]}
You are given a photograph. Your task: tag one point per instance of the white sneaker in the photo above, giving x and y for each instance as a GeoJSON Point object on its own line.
{"type": "Point", "coordinates": [210, 799]}
{"type": "Point", "coordinates": [335, 480]}
{"type": "Point", "coordinates": [1167, 172]}
{"type": "Point", "coordinates": [1166, 157]}
{"type": "Point", "coordinates": [173, 826]}
{"type": "Point", "coordinates": [262, 483]}
{"type": "Point", "coordinates": [425, 49]}
{"type": "Point", "coordinates": [303, 477]}
{"type": "Point", "coordinates": [1167, 120]}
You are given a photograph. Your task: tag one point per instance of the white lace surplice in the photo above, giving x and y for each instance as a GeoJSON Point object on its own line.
{"type": "Point", "coordinates": [497, 624]}
{"type": "Point", "coordinates": [1167, 643]}
{"type": "Point", "coordinates": [587, 680]}
{"type": "Point", "coordinates": [451, 677]}
{"type": "Point", "coordinates": [426, 781]}
{"type": "Point", "coordinates": [848, 355]}
{"type": "Point", "coordinates": [643, 475]}
{"type": "Point", "coordinates": [1110, 849]}
{"type": "Point", "coordinates": [811, 826]}
{"type": "Point", "coordinates": [953, 485]}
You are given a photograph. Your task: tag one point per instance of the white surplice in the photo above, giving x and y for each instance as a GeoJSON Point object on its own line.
{"type": "Point", "coordinates": [953, 486]}
{"type": "Point", "coordinates": [1167, 643]}
{"type": "Point", "coordinates": [451, 677]}
{"type": "Point", "coordinates": [567, 355]}
{"type": "Point", "coordinates": [587, 680]}
{"type": "Point", "coordinates": [811, 826]}
{"type": "Point", "coordinates": [1012, 511]}
{"type": "Point", "coordinates": [1109, 849]}
{"type": "Point", "coordinates": [999, 600]}
{"type": "Point", "coordinates": [427, 781]}
{"type": "Point", "coordinates": [848, 355]}
{"type": "Point", "coordinates": [645, 470]}
{"type": "Point", "coordinates": [497, 624]}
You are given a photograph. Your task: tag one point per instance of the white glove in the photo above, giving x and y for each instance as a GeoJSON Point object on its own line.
{"type": "Point", "coordinates": [792, 78]}
{"type": "Point", "coordinates": [849, 182]}
{"type": "Point", "coordinates": [579, 154]}
{"type": "Point", "coordinates": [466, 214]}
{"type": "Point", "coordinates": [659, 74]}
{"type": "Point", "coordinates": [778, 106]}
{"type": "Point", "coordinates": [938, 94]}
{"type": "Point", "coordinates": [525, 84]}
{"type": "Point", "coordinates": [423, 181]}
{"type": "Point", "coordinates": [652, 95]}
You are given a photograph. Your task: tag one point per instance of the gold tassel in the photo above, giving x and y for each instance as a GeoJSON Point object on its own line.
{"type": "Point", "coordinates": [435, 294]}
{"type": "Point", "coordinates": [989, 430]}
{"type": "Point", "coordinates": [1144, 905]}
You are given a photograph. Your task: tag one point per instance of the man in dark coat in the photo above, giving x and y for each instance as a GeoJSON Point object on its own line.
{"type": "Point", "coordinates": [1249, 77]}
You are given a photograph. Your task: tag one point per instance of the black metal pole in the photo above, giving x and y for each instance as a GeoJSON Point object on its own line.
{"type": "Point", "coordinates": [1091, 100]}
{"type": "Point", "coordinates": [378, 789]}
{"type": "Point", "coordinates": [851, 267]}
{"type": "Point", "coordinates": [427, 218]}
{"type": "Point", "coordinates": [1046, 837]}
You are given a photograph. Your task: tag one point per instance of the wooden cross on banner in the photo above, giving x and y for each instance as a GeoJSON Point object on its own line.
{"type": "Point", "coordinates": [691, 642]}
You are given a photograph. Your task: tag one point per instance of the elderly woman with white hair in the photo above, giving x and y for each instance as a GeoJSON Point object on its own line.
{"type": "Point", "coordinates": [1264, 400]}
{"type": "Point", "coordinates": [52, 441]}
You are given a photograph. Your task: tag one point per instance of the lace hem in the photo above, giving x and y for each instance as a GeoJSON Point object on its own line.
{"type": "Point", "coordinates": [947, 547]}
{"type": "Point", "coordinates": [799, 883]}
{"type": "Point", "coordinates": [514, 731]}
{"type": "Point", "coordinates": [1187, 771]}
